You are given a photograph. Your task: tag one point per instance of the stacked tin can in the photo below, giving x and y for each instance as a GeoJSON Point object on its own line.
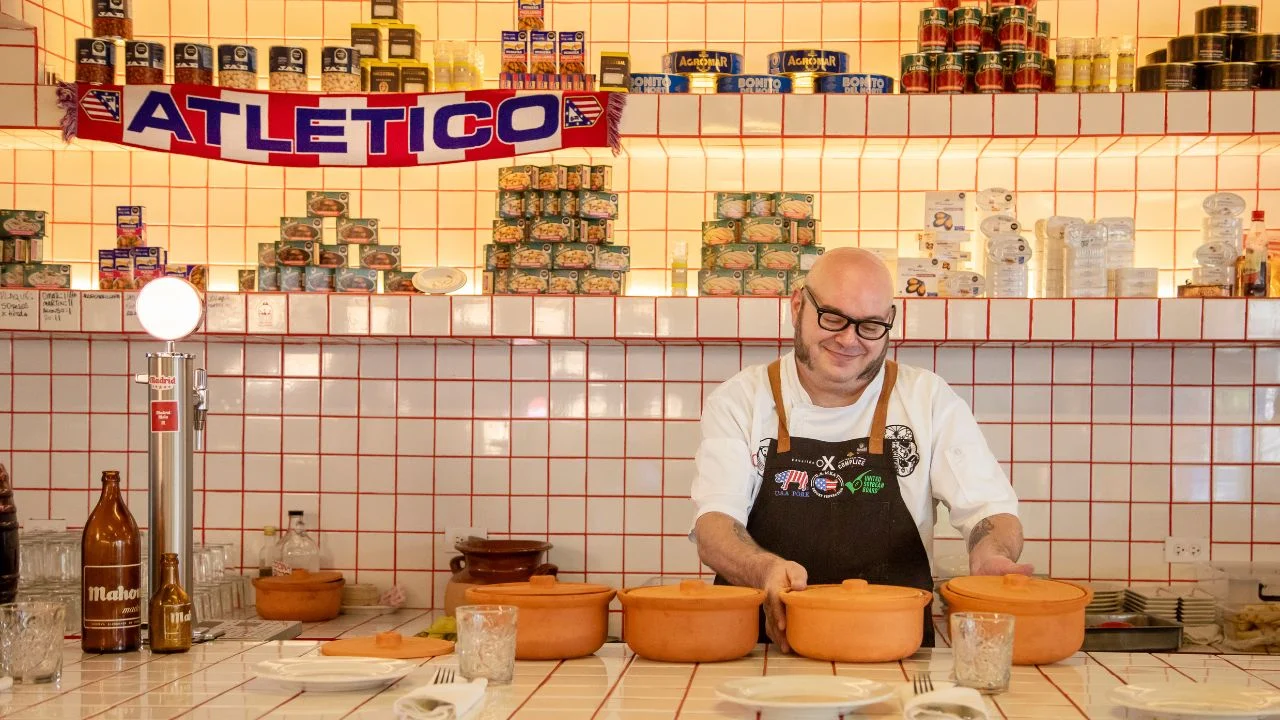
{"type": "Point", "coordinates": [969, 50]}
{"type": "Point", "coordinates": [1226, 53]}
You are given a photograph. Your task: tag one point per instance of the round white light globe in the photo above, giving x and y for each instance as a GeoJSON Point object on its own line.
{"type": "Point", "coordinates": [169, 308]}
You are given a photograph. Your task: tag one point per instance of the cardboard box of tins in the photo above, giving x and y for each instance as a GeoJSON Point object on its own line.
{"type": "Point", "coordinates": [379, 77]}
{"type": "Point", "coordinates": [613, 257]}
{"type": "Point", "coordinates": [357, 231]}
{"type": "Point", "coordinates": [720, 232]}
{"type": "Point", "coordinates": [552, 228]}
{"type": "Point", "coordinates": [415, 77]}
{"type": "Point", "coordinates": [106, 270]}
{"type": "Point", "coordinates": [398, 281]}
{"type": "Point", "coordinates": [197, 275]}
{"type": "Point", "coordinates": [130, 230]}
{"type": "Point", "coordinates": [497, 257]}
{"type": "Point", "coordinates": [295, 253]}
{"type": "Point", "coordinates": [598, 204]}
{"type": "Point", "coordinates": [380, 257]}
{"type": "Point", "coordinates": [531, 256]}
{"type": "Point", "coordinates": [246, 280]}
{"type": "Point", "coordinates": [367, 40]}
{"type": "Point", "coordinates": [764, 283]}
{"type": "Point", "coordinates": [713, 282]}
{"type": "Point", "coordinates": [301, 228]}
{"type": "Point", "coordinates": [355, 280]}
{"type": "Point", "coordinates": [803, 232]}
{"type": "Point", "coordinates": [562, 282]}
{"type": "Point", "coordinates": [517, 178]}
{"type": "Point", "coordinates": [268, 278]}
{"type": "Point", "coordinates": [36, 275]}
{"type": "Point", "coordinates": [525, 281]}
{"type": "Point", "coordinates": [22, 224]}
{"type": "Point", "coordinates": [22, 250]}
{"type": "Point", "coordinates": [403, 42]}
{"type": "Point", "coordinates": [331, 256]}
{"type": "Point", "coordinates": [148, 264]}
{"type": "Point", "coordinates": [596, 231]}
{"type": "Point", "coordinates": [328, 204]}
{"type": "Point", "coordinates": [765, 230]}
{"type": "Point", "coordinates": [508, 231]}
{"type": "Point", "coordinates": [573, 256]}
{"type": "Point", "coordinates": [267, 254]}
{"type": "Point", "coordinates": [735, 256]}
{"type": "Point", "coordinates": [318, 279]}
{"type": "Point", "coordinates": [602, 282]}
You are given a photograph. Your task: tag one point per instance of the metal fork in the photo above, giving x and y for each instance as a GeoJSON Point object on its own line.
{"type": "Point", "coordinates": [444, 676]}
{"type": "Point", "coordinates": [922, 683]}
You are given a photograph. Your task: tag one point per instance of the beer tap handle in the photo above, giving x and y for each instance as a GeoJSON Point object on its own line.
{"type": "Point", "coordinates": [141, 379]}
{"type": "Point", "coordinates": [201, 406]}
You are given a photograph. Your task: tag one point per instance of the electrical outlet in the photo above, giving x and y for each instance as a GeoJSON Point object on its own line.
{"type": "Point", "coordinates": [1186, 550]}
{"type": "Point", "coordinates": [454, 535]}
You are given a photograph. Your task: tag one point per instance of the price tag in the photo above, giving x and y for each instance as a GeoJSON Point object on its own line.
{"type": "Point", "coordinates": [101, 311]}
{"type": "Point", "coordinates": [19, 310]}
{"type": "Point", "coordinates": [59, 311]}
{"type": "Point", "coordinates": [224, 312]}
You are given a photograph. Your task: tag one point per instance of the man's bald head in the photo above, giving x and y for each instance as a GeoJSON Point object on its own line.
{"type": "Point", "coordinates": [852, 280]}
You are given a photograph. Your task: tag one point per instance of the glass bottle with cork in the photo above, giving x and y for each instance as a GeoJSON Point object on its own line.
{"type": "Point", "coordinates": [299, 550]}
{"type": "Point", "coordinates": [111, 574]}
{"type": "Point", "coordinates": [170, 616]}
{"type": "Point", "coordinates": [269, 553]}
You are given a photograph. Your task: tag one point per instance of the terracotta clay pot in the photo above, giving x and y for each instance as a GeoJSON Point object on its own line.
{"type": "Point", "coordinates": [490, 562]}
{"type": "Point", "coordinates": [557, 621]}
{"type": "Point", "coordinates": [856, 621]}
{"type": "Point", "coordinates": [302, 596]}
{"type": "Point", "coordinates": [691, 622]}
{"type": "Point", "coordinates": [1049, 614]}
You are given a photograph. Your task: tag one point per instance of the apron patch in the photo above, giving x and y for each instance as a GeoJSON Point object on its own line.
{"type": "Point", "coordinates": [903, 443]}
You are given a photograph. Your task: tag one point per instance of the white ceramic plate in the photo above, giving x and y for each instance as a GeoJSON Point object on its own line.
{"type": "Point", "coordinates": [804, 693]}
{"type": "Point", "coordinates": [1199, 700]}
{"type": "Point", "coordinates": [333, 674]}
{"type": "Point", "coordinates": [438, 281]}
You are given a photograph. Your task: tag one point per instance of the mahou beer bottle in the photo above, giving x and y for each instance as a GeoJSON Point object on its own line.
{"type": "Point", "coordinates": [170, 618]}
{"type": "Point", "coordinates": [111, 565]}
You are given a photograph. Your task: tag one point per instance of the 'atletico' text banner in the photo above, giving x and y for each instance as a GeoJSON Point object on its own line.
{"type": "Point", "coordinates": [377, 130]}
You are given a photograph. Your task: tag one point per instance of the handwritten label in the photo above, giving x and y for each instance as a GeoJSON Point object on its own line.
{"type": "Point", "coordinates": [59, 310]}
{"type": "Point", "coordinates": [19, 310]}
{"type": "Point", "coordinates": [224, 312]}
{"type": "Point", "coordinates": [267, 313]}
{"type": "Point", "coordinates": [131, 323]}
{"type": "Point", "coordinates": [100, 311]}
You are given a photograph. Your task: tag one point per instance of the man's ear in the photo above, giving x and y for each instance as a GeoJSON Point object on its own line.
{"type": "Point", "coordinates": [797, 302]}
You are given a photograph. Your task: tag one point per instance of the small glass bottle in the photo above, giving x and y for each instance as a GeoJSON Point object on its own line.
{"type": "Point", "coordinates": [1126, 64]}
{"type": "Point", "coordinates": [1066, 66]}
{"type": "Point", "coordinates": [679, 269]}
{"type": "Point", "coordinates": [170, 616]}
{"type": "Point", "coordinates": [300, 551]}
{"type": "Point", "coordinates": [1101, 66]}
{"type": "Point", "coordinates": [442, 81]}
{"type": "Point", "coordinates": [1082, 81]}
{"type": "Point", "coordinates": [269, 553]}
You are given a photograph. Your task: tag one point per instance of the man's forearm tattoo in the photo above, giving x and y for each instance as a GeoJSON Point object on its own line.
{"type": "Point", "coordinates": [980, 532]}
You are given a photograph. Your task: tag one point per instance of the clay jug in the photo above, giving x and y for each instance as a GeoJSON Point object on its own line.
{"type": "Point", "coordinates": [489, 562]}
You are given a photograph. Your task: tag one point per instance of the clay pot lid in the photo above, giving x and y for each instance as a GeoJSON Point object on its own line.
{"type": "Point", "coordinates": [541, 586]}
{"type": "Point", "coordinates": [301, 581]}
{"type": "Point", "coordinates": [857, 594]}
{"type": "Point", "coordinates": [484, 546]}
{"type": "Point", "coordinates": [1019, 589]}
{"type": "Point", "coordinates": [389, 645]}
{"type": "Point", "coordinates": [693, 594]}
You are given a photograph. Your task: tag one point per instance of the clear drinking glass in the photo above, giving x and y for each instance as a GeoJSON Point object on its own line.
{"type": "Point", "coordinates": [31, 641]}
{"type": "Point", "coordinates": [982, 644]}
{"type": "Point", "coordinates": [487, 642]}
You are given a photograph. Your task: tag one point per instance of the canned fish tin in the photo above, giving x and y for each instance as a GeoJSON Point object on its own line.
{"type": "Point", "coordinates": [95, 61]}
{"type": "Point", "coordinates": [762, 204]}
{"type": "Point", "coordinates": [1049, 76]}
{"type": "Point", "coordinates": [935, 29]}
{"type": "Point", "coordinates": [917, 74]}
{"type": "Point", "coordinates": [732, 206]}
{"type": "Point", "coordinates": [685, 62]}
{"type": "Point", "coordinates": [793, 206]}
{"type": "Point", "coordinates": [339, 69]}
{"type": "Point", "coordinates": [949, 75]}
{"type": "Point", "coordinates": [143, 63]}
{"type": "Point", "coordinates": [1027, 69]}
{"type": "Point", "coordinates": [753, 84]}
{"type": "Point", "coordinates": [238, 66]}
{"type": "Point", "coordinates": [1227, 19]}
{"type": "Point", "coordinates": [287, 68]}
{"type": "Point", "coordinates": [1166, 77]}
{"type": "Point", "coordinates": [1011, 28]}
{"type": "Point", "coordinates": [990, 23]}
{"type": "Point", "coordinates": [1270, 77]}
{"type": "Point", "coordinates": [765, 230]}
{"type": "Point", "coordinates": [808, 61]}
{"type": "Point", "coordinates": [192, 64]}
{"type": "Point", "coordinates": [1234, 76]}
{"type": "Point", "coordinates": [1202, 48]}
{"type": "Point", "coordinates": [966, 29]}
{"type": "Point", "coordinates": [658, 83]}
{"type": "Point", "coordinates": [1263, 48]}
{"type": "Point", "coordinates": [988, 75]}
{"type": "Point", "coordinates": [855, 84]}
{"type": "Point", "coordinates": [1158, 56]}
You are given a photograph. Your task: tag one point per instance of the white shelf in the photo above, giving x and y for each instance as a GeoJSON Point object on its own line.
{"type": "Point", "coordinates": [650, 319]}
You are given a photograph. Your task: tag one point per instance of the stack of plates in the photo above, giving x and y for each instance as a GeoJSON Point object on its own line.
{"type": "Point", "coordinates": [1159, 601]}
{"type": "Point", "coordinates": [1108, 599]}
{"type": "Point", "coordinates": [1197, 608]}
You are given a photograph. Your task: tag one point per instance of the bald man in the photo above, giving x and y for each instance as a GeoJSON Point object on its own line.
{"type": "Point", "coordinates": [825, 464]}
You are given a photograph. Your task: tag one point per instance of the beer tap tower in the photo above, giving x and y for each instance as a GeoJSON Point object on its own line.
{"type": "Point", "coordinates": [170, 309]}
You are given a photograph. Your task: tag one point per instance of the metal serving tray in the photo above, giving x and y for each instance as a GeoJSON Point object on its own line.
{"type": "Point", "coordinates": [1148, 634]}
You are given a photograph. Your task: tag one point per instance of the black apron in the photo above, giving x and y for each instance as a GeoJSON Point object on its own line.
{"type": "Point", "coordinates": [836, 507]}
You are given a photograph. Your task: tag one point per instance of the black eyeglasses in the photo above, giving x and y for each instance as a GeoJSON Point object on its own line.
{"type": "Point", "coordinates": [832, 321]}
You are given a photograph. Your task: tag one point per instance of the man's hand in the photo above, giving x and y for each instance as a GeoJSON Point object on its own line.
{"type": "Point", "coordinates": [781, 575]}
{"type": "Point", "coordinates": [995, 545]}
{"type": "Point", "coordinates": [997, 565]}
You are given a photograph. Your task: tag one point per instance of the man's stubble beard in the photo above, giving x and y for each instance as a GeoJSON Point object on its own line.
{"type": "Point", "coordinates": [804, 357]}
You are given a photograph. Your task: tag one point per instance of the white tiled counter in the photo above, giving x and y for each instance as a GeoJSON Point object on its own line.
{"type": "Point", "coordinates": [216, 680]}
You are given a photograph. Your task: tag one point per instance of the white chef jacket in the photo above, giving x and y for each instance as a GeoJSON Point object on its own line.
{"type": "Point", "coordinates": [939, 451]}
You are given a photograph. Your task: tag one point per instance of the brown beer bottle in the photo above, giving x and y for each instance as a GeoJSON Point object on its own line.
{"type": "Point", "coordinates": [111, 574]}
{"type": "Point", "coordinates": [170, 619]}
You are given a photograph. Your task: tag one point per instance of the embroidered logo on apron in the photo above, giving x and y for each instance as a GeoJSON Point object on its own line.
{"type": "Point", "coordinates": [903, 444]}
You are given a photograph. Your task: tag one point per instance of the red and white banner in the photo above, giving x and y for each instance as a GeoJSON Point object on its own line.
{"type": "Point", "coordinates": [375, 130]}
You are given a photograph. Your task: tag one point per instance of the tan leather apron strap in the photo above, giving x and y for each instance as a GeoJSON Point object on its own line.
{"type": "Point", "coordinates": [882, 408]}
{"type": "Point", "coordinates": [775, 384]}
